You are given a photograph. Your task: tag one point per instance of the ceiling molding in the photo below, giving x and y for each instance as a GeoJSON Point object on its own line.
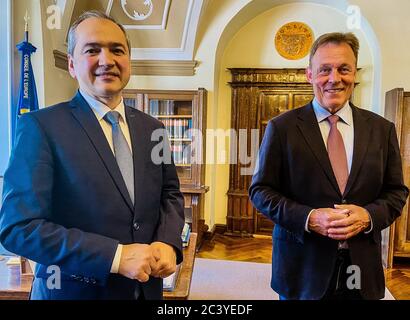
{"type": "Point", "coordinates": [144, 67]}
{"type": "Point", "coordinates": [186, 50]}
{"type": "Point", "coordinates": [163, 67]}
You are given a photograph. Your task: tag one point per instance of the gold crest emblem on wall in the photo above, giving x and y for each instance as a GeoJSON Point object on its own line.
{"type": "Point", "coordinates": [293, 40]}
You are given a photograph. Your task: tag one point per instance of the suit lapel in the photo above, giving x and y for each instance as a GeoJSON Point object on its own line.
{"type": "Point", "coordinates": [361, 142]}
{"type": "Point", "coordinates": [309, 128]}
{"type": "Point", "coordinates": [85, 116]}
{"type": "Point", "coordinates": [141, 155]}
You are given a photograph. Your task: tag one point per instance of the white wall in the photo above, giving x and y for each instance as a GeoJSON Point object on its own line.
{"type": "Point", "coordinates": [390, 23]}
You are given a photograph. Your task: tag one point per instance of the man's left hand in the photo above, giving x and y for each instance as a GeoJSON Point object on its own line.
{"type": "Point", "coordinates": [355, 222]}
{"type": "Point", "coordinates": [166, 259]}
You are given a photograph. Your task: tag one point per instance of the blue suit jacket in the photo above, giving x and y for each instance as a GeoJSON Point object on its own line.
{"type": "Point", "coordinates": [65, 202]}
{"type": "Point", "coordinates": [295, 176]}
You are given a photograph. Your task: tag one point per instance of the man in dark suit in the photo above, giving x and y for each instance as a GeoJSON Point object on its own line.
{"type": "Point", "coordinates": [82, 192]}
{"type": "Point", "coordinates": [329, 176]}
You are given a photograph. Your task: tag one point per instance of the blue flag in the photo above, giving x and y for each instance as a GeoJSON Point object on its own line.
{"type": "Point", "coordinates": [28, 92]}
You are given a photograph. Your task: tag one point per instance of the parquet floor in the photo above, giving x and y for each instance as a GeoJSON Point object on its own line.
{"type": "Point", "coordinates": [259, 250]}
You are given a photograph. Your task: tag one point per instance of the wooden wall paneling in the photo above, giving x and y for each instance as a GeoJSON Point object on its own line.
{"type": "Point", "coordinates": [397, 110]}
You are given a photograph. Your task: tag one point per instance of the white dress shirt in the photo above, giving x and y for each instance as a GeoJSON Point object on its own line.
{"type": "Point", "coordinates": [346, 127]}
{"type": "Point", "coordinates": [100, 110]}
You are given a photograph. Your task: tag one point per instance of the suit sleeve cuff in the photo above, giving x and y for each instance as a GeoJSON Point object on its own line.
{"type": "Point", "coordinates": [307, 221]}
{"type": "Point", "coordinates": [116, 262]}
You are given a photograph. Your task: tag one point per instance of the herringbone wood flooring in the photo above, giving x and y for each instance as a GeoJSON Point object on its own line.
{"type": "Point", "coordinates": [259, 250]}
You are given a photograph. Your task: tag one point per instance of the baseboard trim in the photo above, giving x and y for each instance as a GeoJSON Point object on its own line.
{"type": "Point", "coordinates": [216, 229]}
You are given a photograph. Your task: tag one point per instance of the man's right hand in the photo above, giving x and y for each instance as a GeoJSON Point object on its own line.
{"type": "Point", "coordinates": [320, 219]}
{"type": "Point", "coordinates": [137, 261]}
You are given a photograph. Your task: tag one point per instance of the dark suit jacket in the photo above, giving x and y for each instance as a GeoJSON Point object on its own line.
{"type": "Point", "coordinates": [66, 203]}
{"type": "Point", "coordinates": [294, 176]}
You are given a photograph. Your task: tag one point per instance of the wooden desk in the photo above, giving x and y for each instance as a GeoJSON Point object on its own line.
{"type": "Point", "coordinates": [13, 286]}
{"type": "Point", "coordinates": [183, 284]}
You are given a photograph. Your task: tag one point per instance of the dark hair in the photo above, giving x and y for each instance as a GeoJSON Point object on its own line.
{"type": "Point", "coordinates": [72, 41]}
{"type": "Point", "coordinates": [336, 37]}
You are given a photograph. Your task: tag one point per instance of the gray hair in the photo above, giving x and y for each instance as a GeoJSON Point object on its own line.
{"type": "Point", "coordinates": [72, 41]}
{"type": "Point", "coordinates": [336, 37]}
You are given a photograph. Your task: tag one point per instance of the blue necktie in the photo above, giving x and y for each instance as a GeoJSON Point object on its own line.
{"type": "Point", "coordinates": [122, 152]}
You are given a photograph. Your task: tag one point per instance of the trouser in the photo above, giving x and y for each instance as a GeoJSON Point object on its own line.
{"type": "Point", "coordinates": [338, 287]}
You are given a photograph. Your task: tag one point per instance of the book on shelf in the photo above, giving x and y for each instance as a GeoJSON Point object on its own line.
{"type": "Point", "coordinates": [186, 233]}
{"type": "Point", "coordinates": [188, 215]}
{"type": "Point", "coordinates": [161, 107]}
{"type": "Point", "coordinates": [178, 128]}
{"type": "Point", "coordinates": [169, 282]}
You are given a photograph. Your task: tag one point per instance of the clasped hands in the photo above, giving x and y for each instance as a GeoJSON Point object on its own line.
{"type": "Point", "coordinates": [140, 261]}
{"type": "Point", "coordinates": [339, 223]}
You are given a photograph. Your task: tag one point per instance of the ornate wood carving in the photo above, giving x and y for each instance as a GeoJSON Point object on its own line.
{"type": "Point", "coordinates": [258, 95]}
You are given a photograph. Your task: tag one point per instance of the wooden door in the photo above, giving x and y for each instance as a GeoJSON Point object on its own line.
{"type": "Point", "coordinates": [274, 101]}
{"type": "Point", "coordinates": [258, 95]}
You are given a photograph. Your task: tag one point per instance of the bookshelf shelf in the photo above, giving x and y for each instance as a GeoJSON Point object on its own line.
{"type": "Point", "coordinates": [173, 116]}
{"type": "Point", "coordinates": [183, 113]}
{"type": "Point", "coordinates": [180, 140]}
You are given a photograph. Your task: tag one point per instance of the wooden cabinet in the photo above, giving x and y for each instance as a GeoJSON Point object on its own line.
{"type": "Point", "coordinates": [397, 110]}
{"type": "Point", "coordinates": [183, 114]}
{"type": "Point", "coordinates": [258, 95]}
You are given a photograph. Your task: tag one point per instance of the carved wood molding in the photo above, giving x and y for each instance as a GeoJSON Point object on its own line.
{"type": "Point", "coordinates": [260, 77]}
{"type": "Point", "coordinates": [144, 67]}
{"type": "Point", "coordinates": [163, 67]}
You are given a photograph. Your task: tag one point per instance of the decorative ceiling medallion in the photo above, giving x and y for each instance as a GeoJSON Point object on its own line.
{"type": "Point", "coordinates": [293, 40]}
{"type": "Point", "coordinates": [141, 9]}
{"type": "Point", "coordinates": [140, 14]}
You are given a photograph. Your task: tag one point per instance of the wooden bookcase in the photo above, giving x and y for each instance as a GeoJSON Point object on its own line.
{"type": "Point", "coordinates": [183, 113]}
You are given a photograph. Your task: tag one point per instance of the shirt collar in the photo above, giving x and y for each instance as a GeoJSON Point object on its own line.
{"type": "Point", "coordinates": [100, 109]}
{"type": "Point", "coordinates": [321, 113]}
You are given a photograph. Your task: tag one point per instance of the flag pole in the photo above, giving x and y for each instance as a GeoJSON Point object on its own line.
{"type": "Point", "coordinates": [26, 19]}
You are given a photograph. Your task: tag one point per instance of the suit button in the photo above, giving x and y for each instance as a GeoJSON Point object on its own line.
{"type": "Point", "coordinates": [344, 201]}
{"type": "Point", "coordinates": [136, 226]}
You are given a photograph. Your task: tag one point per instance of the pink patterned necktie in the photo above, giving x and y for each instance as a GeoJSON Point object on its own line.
{"type": "Point", "coordinates": [337, 153]}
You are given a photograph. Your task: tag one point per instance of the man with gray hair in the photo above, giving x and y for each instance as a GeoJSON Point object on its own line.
{"type": "Point", "coordinates": [330, 177]}
{"type": "Point", "coordinates": [81, 192]}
